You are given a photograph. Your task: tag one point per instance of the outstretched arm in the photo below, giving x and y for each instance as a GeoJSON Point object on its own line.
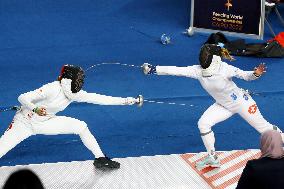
{"type": "Point", "coordinates": [94, 98]}
{"type": "Point", "coordinates": [189, 71]}
{"type": "Point", "coordinates": [246, 75]}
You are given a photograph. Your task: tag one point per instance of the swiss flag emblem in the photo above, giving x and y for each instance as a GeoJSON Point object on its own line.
{"type": "Point", "coordinates": [252, 109]}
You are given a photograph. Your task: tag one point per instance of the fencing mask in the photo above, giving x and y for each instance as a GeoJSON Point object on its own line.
{"type": "Point", "coordinates": [74, 73]}
{"type": "Point", "coordinates": [206, 54]}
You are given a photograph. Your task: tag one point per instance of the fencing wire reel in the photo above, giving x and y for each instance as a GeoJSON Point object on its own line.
{"type": "Point", "coordinates": [165, 39]}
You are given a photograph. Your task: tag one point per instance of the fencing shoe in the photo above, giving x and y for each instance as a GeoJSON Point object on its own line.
{"type": "Point", "coordinates": [208, 161]}
{"type": "Point", "coordinates": [105, 163]}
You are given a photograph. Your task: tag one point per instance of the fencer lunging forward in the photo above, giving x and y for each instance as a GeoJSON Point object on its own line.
{"type": "Point", "coordinates": [39, 107]}
{"type": "Point", "coordinates": [215, 77]}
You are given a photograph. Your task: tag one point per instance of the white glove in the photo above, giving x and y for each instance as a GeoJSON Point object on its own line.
{"type": "Point", "coordinates": [139, 100]}
{"type": "Point", "coordinates": [130, 101]}
{"type": "Point", "coordinates": [148, 69]}
{"type": "Point", "coordinates": [41, 111]}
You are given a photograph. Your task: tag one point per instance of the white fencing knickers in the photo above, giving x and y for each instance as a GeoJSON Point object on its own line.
{"type": "Point", "coordinates": [22, 128]}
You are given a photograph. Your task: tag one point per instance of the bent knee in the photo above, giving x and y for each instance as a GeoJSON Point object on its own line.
{"type": "Point", "coordinates": [82, 127]}
{"type": "Point", "coordinates": [83, 124]}
{"type": "Point", "coordinates": [204, 126]}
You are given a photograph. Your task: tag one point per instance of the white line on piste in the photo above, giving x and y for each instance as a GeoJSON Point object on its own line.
{"type": "Point", "coordinates": [111, 63]}
{"type": "Point", "coordinates": [169, 103]}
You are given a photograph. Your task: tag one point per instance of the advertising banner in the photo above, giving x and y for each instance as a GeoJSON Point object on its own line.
{"type": "Point", "coordinates": [237, 17]}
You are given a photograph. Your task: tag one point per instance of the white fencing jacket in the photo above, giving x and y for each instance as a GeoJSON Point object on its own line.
{"type": "Point", "coordinates": [220, 85]}
{"type": "Point", "coordinates": [56, 96]}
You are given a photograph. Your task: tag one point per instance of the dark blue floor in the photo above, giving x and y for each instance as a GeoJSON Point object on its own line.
{"type": "Point", "coordinates": [38, 36]}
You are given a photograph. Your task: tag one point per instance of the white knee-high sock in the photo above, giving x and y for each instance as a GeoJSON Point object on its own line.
{"type": "Point", "coordinates": [91, 143]}
{"type": "Point", "coordinates": [209, 142]}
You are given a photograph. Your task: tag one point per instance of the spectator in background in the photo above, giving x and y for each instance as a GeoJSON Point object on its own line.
{"type": "Point", "coordinates": [267, 172]}
{"type": "Point", "coordinates": [23, 179]}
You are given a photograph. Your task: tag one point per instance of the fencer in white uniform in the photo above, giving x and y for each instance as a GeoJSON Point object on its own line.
{"type": "Point", "coordinates": [215, 77]}
{"type": "Point", "coordinates": [37, 114]}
